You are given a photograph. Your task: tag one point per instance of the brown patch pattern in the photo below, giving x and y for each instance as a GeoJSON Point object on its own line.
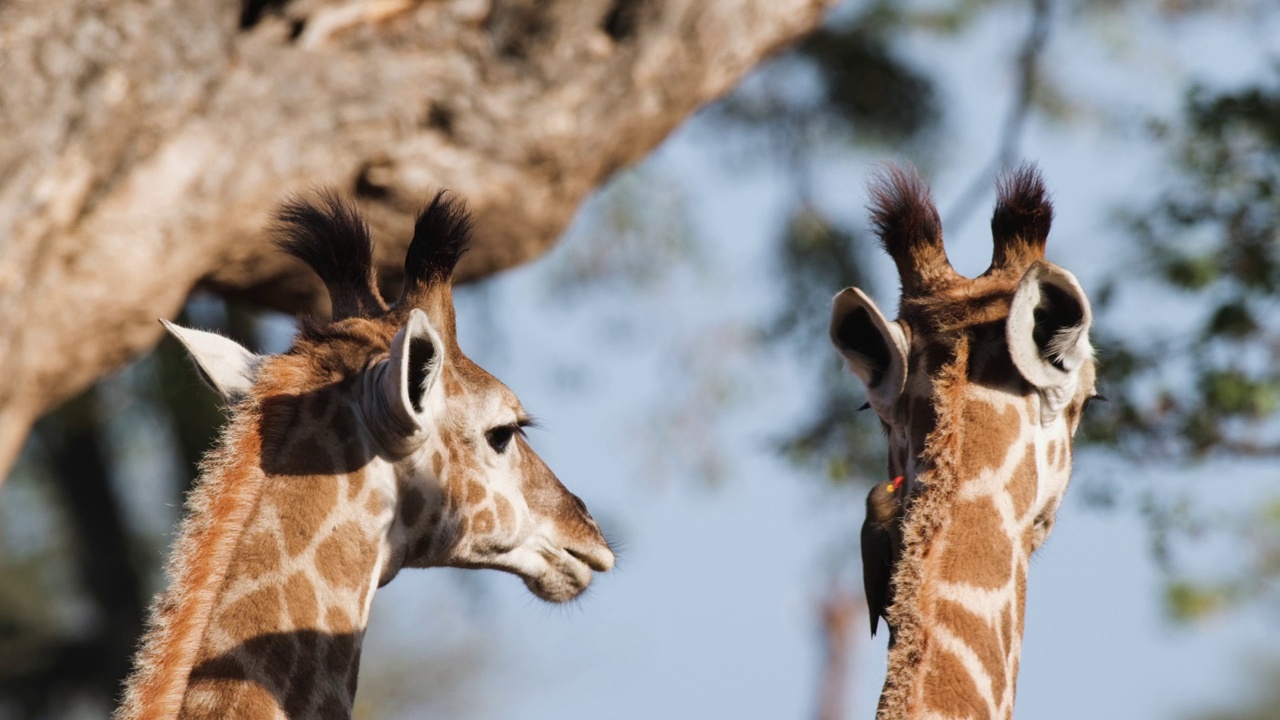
{"type": "Point", "coordinates": [255, 614]}
{"type": "Point", "coordinates": [338, 621]}
{"type": "Point", "coordinates": [300, 598]}
{"type": "Point", "coordinates": [303, 503]}
{"type": "Point", "coordinates": [284, 458]}
{"type": "Point", "coordinates": [978, 636]}
{"type": "Point", "coordinates": [975, 550]}
{"type": "Point", "coordinates": [988, 435]}
{"type": "Point", "coordinates": [483, 522]}
{"type": "Point", "coordinates": [257, 552]}
{"type": "Point", "coordinates": [1022, 484]}
{"type": "Point", "coordinates": [506, 515]}
{"type": "Point", "coordinates": [948, 688]}
{"type": "Point", "coordinates": [345, 557]}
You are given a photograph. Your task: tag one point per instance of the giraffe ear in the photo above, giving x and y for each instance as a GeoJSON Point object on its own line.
{"type": "Point", "coordinates": [1048, 327]}
{"type": "Point", "coordinates": [874, 348]}
{"type": "Point", "coordinates": [224, 364]}
{"type": "Point", "coordinates": [408, 376]}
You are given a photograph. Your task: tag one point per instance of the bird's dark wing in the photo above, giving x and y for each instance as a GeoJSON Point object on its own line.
{"type": "Point", "coordinates": [876, 569]}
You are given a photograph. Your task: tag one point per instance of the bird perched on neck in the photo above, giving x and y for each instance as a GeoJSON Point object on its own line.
{"type": "Point", "coordinates": [881, 548]}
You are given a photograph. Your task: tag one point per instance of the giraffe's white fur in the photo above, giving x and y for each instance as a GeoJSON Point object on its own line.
{"type": "Point", "coordinates": [224, 364]}
{"type": "Point", "coordinates": [1052, 370]}
{"type": "Point", "coordinates": [884, 384]}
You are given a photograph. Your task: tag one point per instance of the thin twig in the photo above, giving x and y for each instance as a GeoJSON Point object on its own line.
{"type": "Point", "coordinates": [841, 609]}
{"type": "Point", "coordinates": [1028, 65]}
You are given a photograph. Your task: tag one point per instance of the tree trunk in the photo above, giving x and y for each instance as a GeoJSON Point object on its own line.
{"type": "Point", "coordinates": [146, 141]}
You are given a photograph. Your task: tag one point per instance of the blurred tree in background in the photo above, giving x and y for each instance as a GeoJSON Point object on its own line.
{"type": "Point", "coordinates": [77, 562]}
{"type": "Point", "coordinates": [1210, 387]}
{"type": "Point", "coordinates": [143, 147]}
{"type": "Point", "coordinates": [1210, 240]}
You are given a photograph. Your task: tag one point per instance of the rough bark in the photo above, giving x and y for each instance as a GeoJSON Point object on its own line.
{"type": "Point", "coordinates": [144, 142]}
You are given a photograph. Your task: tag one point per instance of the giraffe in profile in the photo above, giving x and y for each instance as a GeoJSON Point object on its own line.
{"type": "Point", "coordinates": [374, 444]}
{"type": "Point", "coordinates": [980, 384]}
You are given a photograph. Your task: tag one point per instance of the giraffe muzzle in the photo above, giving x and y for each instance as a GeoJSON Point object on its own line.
{"type": "Point", "coordinates": [598, 558]}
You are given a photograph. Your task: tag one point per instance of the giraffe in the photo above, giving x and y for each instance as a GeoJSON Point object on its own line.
{"type": "Point", "coordinates": [373, 444]}
{"type": "Point", "coordinates": [979, 384]}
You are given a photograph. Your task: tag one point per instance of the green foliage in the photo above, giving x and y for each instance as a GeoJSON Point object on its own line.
{"type": "Point", "coordinates": [866, 91]}
{"type": "Point", "coordinates": [1189, 601]}
{"type": "Point", "coordinates": [815, 257]}
{"type": "Point", "coordinates": [869, 88]}
{"type": "Point", "coordinates": [1207, 242]}
{"type": "Point", "coordinates": [1212, 234]}
{"type": "Point", "coordinates": [1211, 386]}
{"type": "Point", "coordinates": [637, 229]}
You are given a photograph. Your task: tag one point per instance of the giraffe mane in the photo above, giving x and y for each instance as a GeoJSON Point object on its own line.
{"type": "Point", "coordinates": [216, 513]}
{"type": "Point", "coordinates": [906, 220]}
{"type": "Point", "coordinates": [927, 512]}
{"type": "Point", "coordinates": [328, 234]}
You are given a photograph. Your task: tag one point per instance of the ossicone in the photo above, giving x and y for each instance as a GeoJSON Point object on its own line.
{"type": "Point", "coordinates": [906, 220]}
{"type": "Point", "coordinates": [329, 235]}
{"type": "Point", "coordinates": [1020, 223]}
{"type": "Point", "coordinates": [440, 238]}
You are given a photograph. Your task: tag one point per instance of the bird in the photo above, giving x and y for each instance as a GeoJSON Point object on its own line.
{"type": "Point", "coordinates": [881, 548]}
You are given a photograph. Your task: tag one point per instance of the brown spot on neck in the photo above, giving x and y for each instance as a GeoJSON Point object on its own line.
{"type": "Point", "coordinates": [1022, 484]}
{"type": "Point", "coordinates": [989, 436]}
{"type": "Point", "coordinates": [346, 558]}
{"type": "Point", "coordinates": [300, 599]}
{"type": "Point", "coordinates": [947, 687]}
{"type": "Point", "coordinates": [973, 548]}
{"type": "Point", "coordinates": [984, 640]}
{"type": "Point", "coordinates": [302, 504]}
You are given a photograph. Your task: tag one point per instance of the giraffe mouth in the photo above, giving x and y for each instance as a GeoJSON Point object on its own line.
{"type": "Point", "coordinates": [567, 572]}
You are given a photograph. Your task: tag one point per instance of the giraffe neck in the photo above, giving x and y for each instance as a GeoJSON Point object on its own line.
{"type": "Point", "coordinates": [271, 579]}
{"type": "Point", "coordinates": [961, 583]}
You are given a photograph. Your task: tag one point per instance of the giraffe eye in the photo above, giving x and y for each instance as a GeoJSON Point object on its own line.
{"type": "Point", "coordinates": [500, 437]}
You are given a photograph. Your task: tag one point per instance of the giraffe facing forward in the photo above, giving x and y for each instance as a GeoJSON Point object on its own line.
{"type": "Point", "coordinates": [372, 445]}
{"type": "Point", "coordinates": [980, 384]}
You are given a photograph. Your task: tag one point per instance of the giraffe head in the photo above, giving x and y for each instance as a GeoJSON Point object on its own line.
{"type": "Point", "coordinates": [1022, 329]}
{"type": "Point", "coordinates": [385, 396]}
{"type": "Point", "coordinates": [980, 384]}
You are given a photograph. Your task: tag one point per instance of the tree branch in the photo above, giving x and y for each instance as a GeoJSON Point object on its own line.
{"type": "Point", "coordinates": [145, 146]}
{"type": "Point", "coordinates": [842, 609]}
{"type": "Point", "coordinates": [1028, 69]}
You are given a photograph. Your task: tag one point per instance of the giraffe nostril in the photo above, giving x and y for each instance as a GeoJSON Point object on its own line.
{"type": "Point", "coordinates": [599, 559]}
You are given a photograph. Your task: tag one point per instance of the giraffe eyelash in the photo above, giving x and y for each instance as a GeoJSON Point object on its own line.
{"type": "Point", "coordinates": [1095, 396]}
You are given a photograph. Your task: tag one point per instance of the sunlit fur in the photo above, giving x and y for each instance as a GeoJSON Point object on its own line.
{"type": "Point", "coordinates": [986, 453]}
{"type": "Point", "coordinates": [322, 488]}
